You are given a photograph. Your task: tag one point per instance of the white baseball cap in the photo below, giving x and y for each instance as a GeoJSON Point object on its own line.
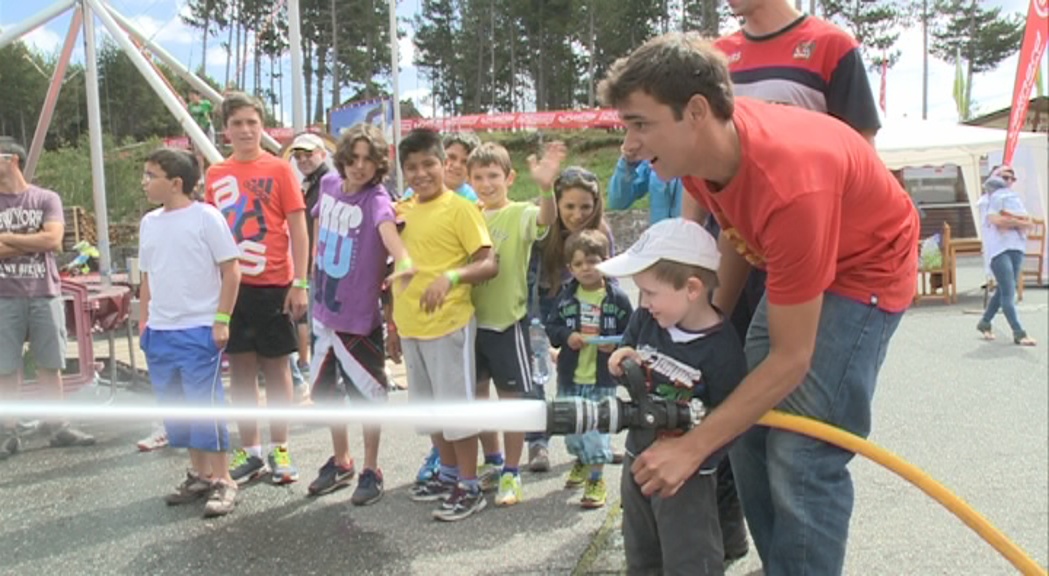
{"type": "Point", "coordinates": [308, 142]}
{"type": "Point", "coordinates": [674, 239]}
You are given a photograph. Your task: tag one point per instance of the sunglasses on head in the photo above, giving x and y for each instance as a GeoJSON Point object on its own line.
{"type": "Point", "coordinates": [575, 177]}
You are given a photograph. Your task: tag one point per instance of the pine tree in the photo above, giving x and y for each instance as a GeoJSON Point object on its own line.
{"type": "Point", "coordinates": [981, 37]}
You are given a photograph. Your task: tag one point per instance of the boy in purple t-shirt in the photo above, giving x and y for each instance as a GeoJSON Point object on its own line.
{"type": "Point", "coordinates": [355, 232]}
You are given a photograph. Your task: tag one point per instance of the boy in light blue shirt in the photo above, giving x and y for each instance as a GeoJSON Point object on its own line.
{"type": "Point", "coordinates": [633, 179]}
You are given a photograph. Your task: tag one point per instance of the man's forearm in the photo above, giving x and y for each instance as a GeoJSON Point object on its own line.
{"type": "Point", "coordinates": [300, 244]}
{"type": "Point", "coordinates": [732, 277]}
{"type": "Point", "coordinates": [8, 251]}
{"type": "Point", "coordinates": [33, 243]}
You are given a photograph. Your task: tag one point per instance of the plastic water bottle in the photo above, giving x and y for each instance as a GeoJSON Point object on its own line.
{"type": "Point", "coordinates": [540, 353]}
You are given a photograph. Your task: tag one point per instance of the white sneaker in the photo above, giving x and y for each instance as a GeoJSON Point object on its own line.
{"type": "Point", "coordinates": [155, 441]}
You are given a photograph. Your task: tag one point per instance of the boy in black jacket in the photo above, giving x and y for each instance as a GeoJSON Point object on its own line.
{"type": "Point", "coordinates": [588, 308]}
{"type": "Point", "coordinates": [689, 352]}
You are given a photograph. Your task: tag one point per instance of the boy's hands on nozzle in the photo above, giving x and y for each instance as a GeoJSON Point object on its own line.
{"type": "Point", "coordinates": [576, 341]}
{"type": "Point", "coordinates": [544, 171]}
{"type": "Point", "coordinates": [615, 362]}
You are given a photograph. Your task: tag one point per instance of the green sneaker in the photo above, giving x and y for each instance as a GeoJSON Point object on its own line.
{"type": "Point", "coordinates": [510, 491]}
{"type": "Point", "coordinates": [594, 494]}
{"type": "Point", "coordinates": [578, 476]}
{"type": "Point", "coordinates": [488, 477]}
{"type": "Point", "coordinates": [280, 464]}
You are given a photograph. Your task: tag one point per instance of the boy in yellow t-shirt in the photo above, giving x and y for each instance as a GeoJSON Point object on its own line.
{"type": "Point", "coordinates": [503, 349]}
{"type": "Point", "coordinates": [452, 250]}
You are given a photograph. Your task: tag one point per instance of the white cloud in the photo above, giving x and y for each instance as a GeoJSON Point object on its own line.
{"type": "Point", "coordinates": [406, 50]}
{"type": "Point", "coordinates": [172, 31]}
{"type": "Point", "coordinates": [44, 40]}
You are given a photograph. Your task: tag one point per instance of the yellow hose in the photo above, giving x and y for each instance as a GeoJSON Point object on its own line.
{"type": "Point", "coordinates": [912, 474]}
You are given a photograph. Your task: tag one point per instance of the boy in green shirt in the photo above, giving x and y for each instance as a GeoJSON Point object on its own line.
{"type": "Point", "coordinates": [502, 347]}
{"type": "Point", "coordinates": [200, 110]}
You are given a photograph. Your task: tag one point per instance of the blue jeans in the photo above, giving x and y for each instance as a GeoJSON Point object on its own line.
{"type": "Point", "coordinates": [797, 493]}
{"type": "Point", "coordinates": [1006, 269]}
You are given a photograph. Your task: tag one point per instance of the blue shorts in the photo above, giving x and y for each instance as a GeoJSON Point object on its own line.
{"type": "Point", "coordinates": [185, 368]}
{"type": "Point", "coordinates": [592, 447]}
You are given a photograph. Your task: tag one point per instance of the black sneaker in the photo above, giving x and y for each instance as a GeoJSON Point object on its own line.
{"type": "Point", "coordinates": [369, 488]}
{"type": "Point", "coordinates": [68, 436]}
{"type": "Point", "coordinates": [432, 491]}
{"type": "Point", "coordinates": [461, 504]}
{"type": "Point", "coordinates": [331, 477]}
{"type": "Point", "coordinates": [246, 467]}
{"type": "Point", "coordinates": [10, 444]}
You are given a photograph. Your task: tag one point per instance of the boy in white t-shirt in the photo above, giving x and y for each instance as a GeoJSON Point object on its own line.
{"type": "Point", "coordinates": [190, 278]}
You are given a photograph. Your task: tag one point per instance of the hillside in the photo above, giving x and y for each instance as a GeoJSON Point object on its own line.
{"type": "Point", "coordinates": [595, 150]}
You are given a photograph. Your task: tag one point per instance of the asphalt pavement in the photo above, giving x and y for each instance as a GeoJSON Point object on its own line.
{"type": "Point", "coordinates": [973, 414]}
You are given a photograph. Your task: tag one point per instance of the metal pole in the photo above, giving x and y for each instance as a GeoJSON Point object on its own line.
{"type": "Point", "coordinates": [200, 139]}
{"type": "Point", "coordinates": [170, 61]}
{"type": "Point", "coordinates": [48, 110]}
{"type": "Point", "coordinates": [43, 17]}
{"type": "Point", "coordinates": [395, 57]}
{"type": "Point", "coordinates": [94, 124]}
{"type": "Point", "coordinates": [298, 110]}
{"type": "Point", "coordinates": [925, 59]}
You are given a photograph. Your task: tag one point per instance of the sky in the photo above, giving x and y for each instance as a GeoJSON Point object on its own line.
{"type": "Point", "coordinates": [159, 19]}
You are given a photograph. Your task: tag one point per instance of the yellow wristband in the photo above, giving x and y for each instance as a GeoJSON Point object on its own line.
{"type": "Point", "coordinates": [301, 283]}
{"type": "Point", "coordinates": [546, 193]}
{"type": "Point", "coordinates": [404, 264]}
{"type": "Point", "coordinates": [452, 276]}
{"type": "Point", "coordinates": [221, 318]}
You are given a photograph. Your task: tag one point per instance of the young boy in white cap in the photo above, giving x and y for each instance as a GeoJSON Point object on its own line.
{"type": "Point", "coordinates": [690, 351]}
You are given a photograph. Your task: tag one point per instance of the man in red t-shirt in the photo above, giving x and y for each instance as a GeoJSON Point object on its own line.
{"type": "Point", "coordinates": [806, 198]}
{"type": "Point", "coordinates": [263, 204]}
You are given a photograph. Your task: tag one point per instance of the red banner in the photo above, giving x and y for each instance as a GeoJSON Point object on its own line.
{"type": "Point", "coordinates": [280, 134]}
{"type": "Point", "coordinates": [559, 120]}
{"type": "Point", "coordinates": [1031, 52]}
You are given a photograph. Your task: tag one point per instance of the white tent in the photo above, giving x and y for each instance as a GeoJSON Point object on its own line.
{"type": "Point", "coordinates": [915, 143]}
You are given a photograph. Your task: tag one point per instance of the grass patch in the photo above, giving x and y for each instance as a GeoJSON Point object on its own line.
{"type": "Point", "coordinates": [595, 150]}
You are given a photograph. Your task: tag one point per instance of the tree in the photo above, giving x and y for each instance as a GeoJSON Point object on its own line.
{"type": "Point", "coordinates": [208, 16]}
{"type": "Point", "coordinates": [24, 77]}
{"type": "Point", "coordinates": [436, 27]}
{"type": "Point", "coordinates": [982, 37]}
{"type": "Point", "coordinates": [704, 17]}
{"type": "Point", "coordinates": [876, 24]}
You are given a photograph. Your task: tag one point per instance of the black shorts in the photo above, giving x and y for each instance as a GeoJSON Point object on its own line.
{"type": "Point", "coordinates": [506, 357]}
{"type": "Point", "coordinates": [258, 323]}
{"type": "Point", "coordinates": [358, 361]}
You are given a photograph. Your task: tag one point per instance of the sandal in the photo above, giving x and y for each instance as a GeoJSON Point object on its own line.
{"type": "Point", "coordinates": [986, 331]}
{"type": "Point", "coordinates": [1024, 341]}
